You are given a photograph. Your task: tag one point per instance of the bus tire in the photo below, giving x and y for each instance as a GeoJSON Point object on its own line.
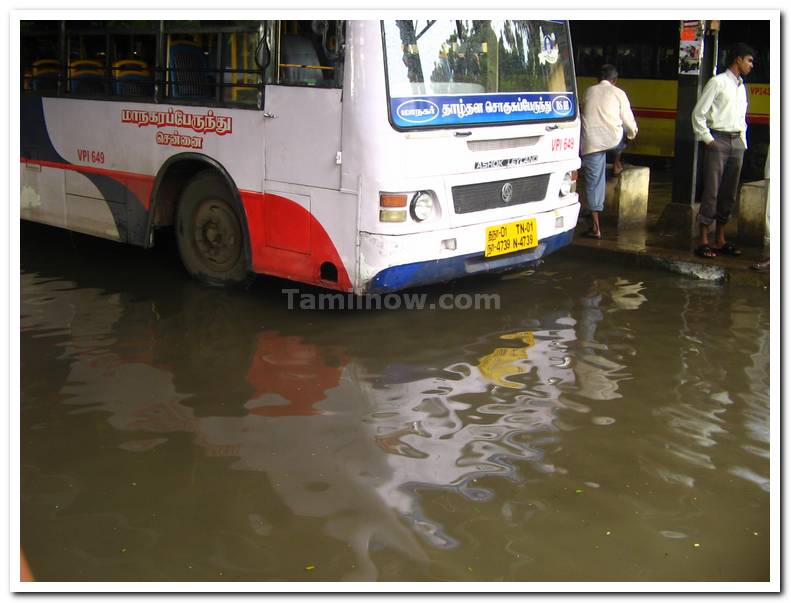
{"type": "Point", "coordinates": [209, 232]}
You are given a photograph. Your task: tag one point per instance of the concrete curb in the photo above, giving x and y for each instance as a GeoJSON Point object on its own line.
{"type": "Point", "coordinates": [683, 262]}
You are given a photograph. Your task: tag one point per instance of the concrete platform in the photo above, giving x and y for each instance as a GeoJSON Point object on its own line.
{"type": "Point", "coordinates": [681, 261]}
{"type": "Point", "coordinates": [653, 245]}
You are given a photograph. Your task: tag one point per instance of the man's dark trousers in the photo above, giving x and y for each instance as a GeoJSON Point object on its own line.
{"type": "Point", "coordinates": [722, 167]}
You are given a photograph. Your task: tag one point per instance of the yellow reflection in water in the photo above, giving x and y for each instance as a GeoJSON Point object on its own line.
{"type": "Point", "coordinates": [502, 363]}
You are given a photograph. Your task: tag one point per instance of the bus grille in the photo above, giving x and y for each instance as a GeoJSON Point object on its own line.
{"type": "Point", "coordinates": [489, 195]}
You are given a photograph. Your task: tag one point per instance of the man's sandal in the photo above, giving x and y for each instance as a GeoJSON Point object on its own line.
{"type": "Point", "coordinates": [728, 249]}
{"type": "Point", "coordinates": [704, 251]}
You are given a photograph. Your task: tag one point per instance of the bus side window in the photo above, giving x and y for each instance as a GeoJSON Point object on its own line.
{"type": "Point", "coordinates": [132, 77]}
{"type": "Point", "coordinates": [133, 60]}
{"type": "Point", "coordinates": [87, 53]}
{"type": "Point", "coordinates": [188, 70]}
{"type": "Point", "coordinates": [667, 62]}
{"type": "Point", "coordinates": [333, 47]}
{"type": "Point", "coordinates": [627, 61]}
{"type": "Point", "coordinates": [86, 77]}
{"type": "Point", "coordinates": [43, 76]}
{"type": "Point", "coordinates": [310, 53]}
{"type": "Point", "coordinates": [41, 67]}
{"type": "Point", "coordinates": [300, 61]}
{"type": "Point", "coordinates": [589, 60]}
{"type": "Point", "coordinates": [241, 75]}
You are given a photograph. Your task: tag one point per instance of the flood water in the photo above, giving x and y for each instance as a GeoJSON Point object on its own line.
{"type": "Point", "coordinates": [605, 423]}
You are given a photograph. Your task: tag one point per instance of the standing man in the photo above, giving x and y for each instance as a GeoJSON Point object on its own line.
{"type": "Point", "coordinates": [606, 116]}
{"type": "Point", "coordinates": [719, 119]}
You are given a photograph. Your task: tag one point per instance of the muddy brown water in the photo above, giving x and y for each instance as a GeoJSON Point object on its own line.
{"type": "Point", "coordinates": [604, 423]}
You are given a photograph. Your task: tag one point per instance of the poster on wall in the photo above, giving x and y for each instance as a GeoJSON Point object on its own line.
{"type": "Point", "coordinates": [690, 50]}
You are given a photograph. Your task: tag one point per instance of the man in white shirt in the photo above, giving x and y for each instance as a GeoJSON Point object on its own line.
{"type": "Point", "coordinates": [606, 115]}
{"type": "Point", "coordinates": [719, 120]}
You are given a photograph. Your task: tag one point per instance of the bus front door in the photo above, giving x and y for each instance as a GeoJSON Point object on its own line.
{"type": "Point", "coordinates": [302, 142]}
{"type": "Point", "coordinates": [302, 131]}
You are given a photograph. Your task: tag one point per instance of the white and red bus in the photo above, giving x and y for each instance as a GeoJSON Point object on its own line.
{"type": "Point", "coordinates": [362, 156]}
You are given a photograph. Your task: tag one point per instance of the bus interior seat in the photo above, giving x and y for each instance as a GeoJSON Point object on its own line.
{"type": "Point", "coordinates": [132, 77]}
{"type": "Point", "coordinates": [188, 67]}
{"type": "Point", "coordinates": [299, 50]}
{"type": "Point", "coordinates": [86, 76]}
{"type": "Point", "coordinates": [44, 75]}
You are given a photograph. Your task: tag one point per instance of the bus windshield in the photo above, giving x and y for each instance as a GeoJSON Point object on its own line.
{"type": "Point", "coordinates": [452, 73]}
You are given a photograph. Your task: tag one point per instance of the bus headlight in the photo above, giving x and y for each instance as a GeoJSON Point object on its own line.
{"type": "Point", "coordinates": [422, 207]}
{"type": "Point", "coordinates": [569, 183]}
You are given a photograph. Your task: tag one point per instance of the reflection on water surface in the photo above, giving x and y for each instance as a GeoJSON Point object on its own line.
{"type": "Point", "coordinates": [604, 424]}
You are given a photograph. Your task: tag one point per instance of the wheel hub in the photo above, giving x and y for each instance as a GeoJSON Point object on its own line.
{"type": "Point", "coordinates": [217, 234]}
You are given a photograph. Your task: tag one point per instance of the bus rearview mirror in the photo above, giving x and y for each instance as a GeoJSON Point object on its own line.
{"type": "Point", "coordinates": [262, 54]}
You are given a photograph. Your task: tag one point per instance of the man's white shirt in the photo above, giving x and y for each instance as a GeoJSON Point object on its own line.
{"type": "Point", "coordinates": [606, 114]}
{"type": "Point", "coordinates": [722, 106]}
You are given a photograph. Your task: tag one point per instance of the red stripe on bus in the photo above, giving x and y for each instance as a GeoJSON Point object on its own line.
{"type": "Point", "coordinates": [284, 250]}
{"type": "Point", "coordinates": [140, 185]}
{"type": "Point", "coordinates": [287, 241]}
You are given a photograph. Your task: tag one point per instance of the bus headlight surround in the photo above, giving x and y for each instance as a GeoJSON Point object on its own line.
{"type": "Point", "coordinates": [422, 206]}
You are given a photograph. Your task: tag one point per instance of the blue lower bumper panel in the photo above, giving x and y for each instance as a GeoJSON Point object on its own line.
{"type": "Point", "coordinates": [438, 271]}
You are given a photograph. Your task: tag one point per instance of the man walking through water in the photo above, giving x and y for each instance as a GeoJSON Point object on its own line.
{"type": "Point", "coordinates": [719, 119]}
{"type": "Point", "coordinates": [606, 115]}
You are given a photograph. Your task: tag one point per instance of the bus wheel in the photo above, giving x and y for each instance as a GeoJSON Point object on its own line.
{"type": "Point", "coordinates": [209, 232]}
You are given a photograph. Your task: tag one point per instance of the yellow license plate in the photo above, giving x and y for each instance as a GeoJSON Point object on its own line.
{"type": "Point", "coordinates": [510, 237]}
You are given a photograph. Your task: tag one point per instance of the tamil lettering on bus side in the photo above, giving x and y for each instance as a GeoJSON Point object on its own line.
{"type": "Point", "coordinates": [176, 118]}
{"type": "Point", "coordinates": [176, 139]}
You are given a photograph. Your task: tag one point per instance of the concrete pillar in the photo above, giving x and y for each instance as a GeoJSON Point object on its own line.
{"type": "Point", "coordinates": [752, 221]}
{"type": "Point", "coordinates": [687, 155]}
{"type": "Point", "coordinates": [679, 216]}
{"type": "Point", "coordinates": [626, 198]}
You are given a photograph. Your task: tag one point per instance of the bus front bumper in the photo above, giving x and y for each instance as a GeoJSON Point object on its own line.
{"type": "Point", "coordinates": [387, 250]}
